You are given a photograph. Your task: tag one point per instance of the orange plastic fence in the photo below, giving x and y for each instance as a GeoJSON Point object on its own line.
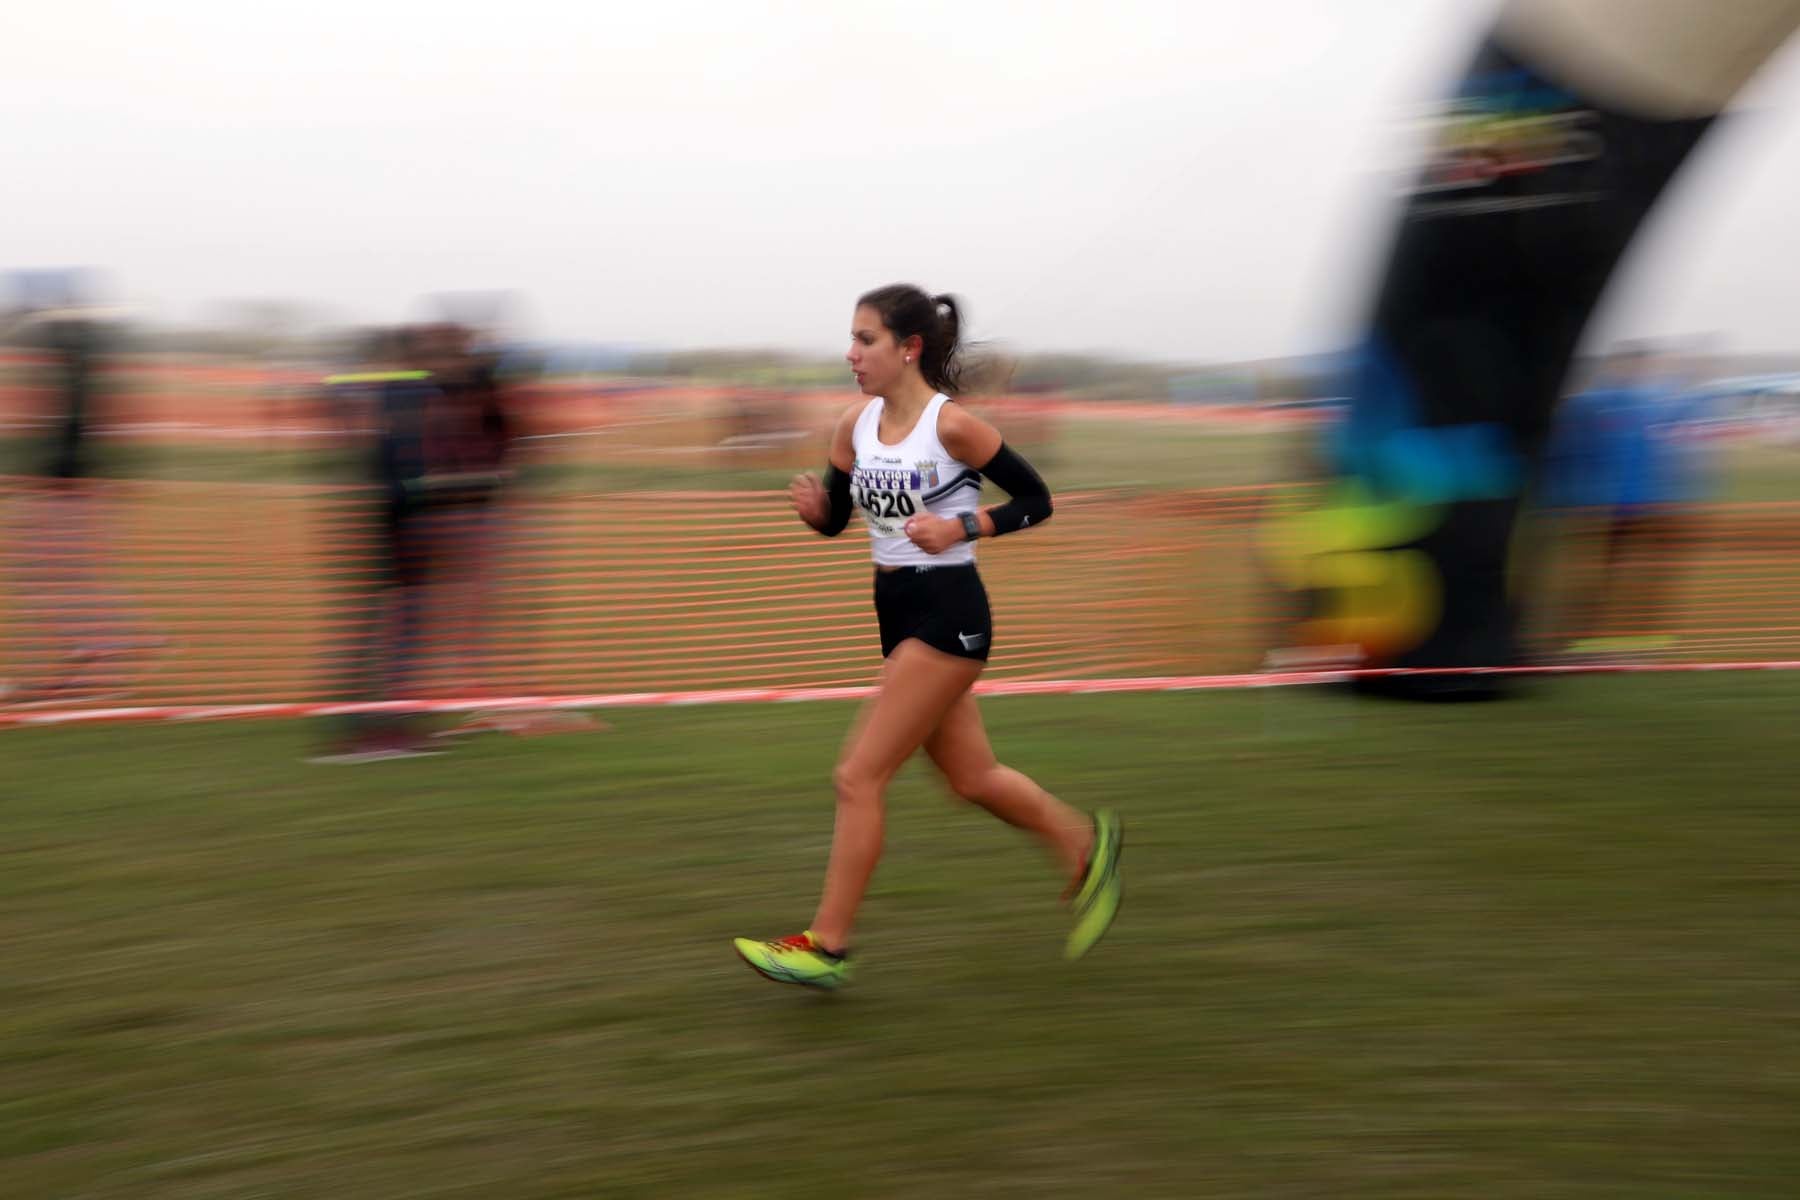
{"type": "Point", "coordinates": [221, 594]}
{"type": "Point", "coordinates": [191, 593]}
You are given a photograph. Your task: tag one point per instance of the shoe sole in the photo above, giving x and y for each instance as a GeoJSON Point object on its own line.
{"type": "Point", "coordinates": [1117, 896]}
{"type": "Point", "coordinates": [764, 975]}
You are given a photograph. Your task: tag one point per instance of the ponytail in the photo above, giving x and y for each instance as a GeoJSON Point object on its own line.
{"type": "Point", "coordinates": [941, 359]}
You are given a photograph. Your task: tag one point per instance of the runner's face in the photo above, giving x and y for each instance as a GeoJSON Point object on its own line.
{"type": "Point", "coordinates": [875, 357]}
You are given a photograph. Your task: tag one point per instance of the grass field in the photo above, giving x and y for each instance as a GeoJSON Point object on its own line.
{"type": "Point", "coordinates": [1543, 948]}
{"type": "Point", "coordinates": [1085, 454]}
{"type": "Point", "coordinates": [1076, 453]}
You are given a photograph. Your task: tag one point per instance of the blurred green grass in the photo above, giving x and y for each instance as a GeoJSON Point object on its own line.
{"type": "Point", "coordinates": [1085, 453]}
{"type": "Point", "coordinates": [1073, 452]}
{"type": "Point", "coordinates": [1540, 948]}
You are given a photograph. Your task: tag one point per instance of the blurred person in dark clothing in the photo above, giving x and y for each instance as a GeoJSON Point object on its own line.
{"type": "Point", "coordinates": [426, 474]}
{"type": "Point", "coordinates": [89, 641]}
{"type": "Point", "coordinates": [438, 439]}
{"type": "Point", "coordinates": [476, 438]}
{"type": "Point", "coordinates": [469, 447]}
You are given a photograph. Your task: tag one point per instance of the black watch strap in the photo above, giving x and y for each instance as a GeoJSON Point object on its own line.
{"type": "Point", "coordinates": [971, 526]}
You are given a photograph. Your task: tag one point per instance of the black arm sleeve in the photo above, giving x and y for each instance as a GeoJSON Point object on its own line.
{"type": "Point", "coordinates": [1030, 502]}
{"type": "Point", "coordinates": [837, 491]}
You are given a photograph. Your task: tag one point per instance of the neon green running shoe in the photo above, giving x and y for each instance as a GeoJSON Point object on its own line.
{"type": "Point", "coordinates": [1096, 899]}
{"type": "Point", "coordinates": [798, 959]}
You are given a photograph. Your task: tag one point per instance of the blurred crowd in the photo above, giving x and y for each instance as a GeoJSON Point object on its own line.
{"type": "Point", "coordinates": [425, 410]}
{"type": "Point", "coordinates": [429, 413]}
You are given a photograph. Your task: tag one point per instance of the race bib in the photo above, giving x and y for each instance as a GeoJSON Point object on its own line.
{"type": "Point", "coordinates": [887, 497]}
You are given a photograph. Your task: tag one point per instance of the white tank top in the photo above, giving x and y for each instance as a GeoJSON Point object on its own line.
{"type": "Point", "coordinates": [888, 484]}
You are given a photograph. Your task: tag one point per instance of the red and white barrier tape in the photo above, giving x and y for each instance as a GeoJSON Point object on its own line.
{"type": "Point", "coordinates": [1000, 687]}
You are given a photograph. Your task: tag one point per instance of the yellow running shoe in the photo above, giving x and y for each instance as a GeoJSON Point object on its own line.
{"type": "Point", "coordinates": [798, 959]}
{"type": "Point", "coordinates": [1096, 900]}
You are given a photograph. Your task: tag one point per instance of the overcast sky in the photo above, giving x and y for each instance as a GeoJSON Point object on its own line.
{"type": "Point", "coordinates": [1181, 181]}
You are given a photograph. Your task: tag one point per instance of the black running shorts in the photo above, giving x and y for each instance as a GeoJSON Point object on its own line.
{"type": "Point", "coordinates": [944, 607]}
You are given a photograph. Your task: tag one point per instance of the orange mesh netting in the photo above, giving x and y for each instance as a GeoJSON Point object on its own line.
{"type": "Point", "coordinates": [160, 593]}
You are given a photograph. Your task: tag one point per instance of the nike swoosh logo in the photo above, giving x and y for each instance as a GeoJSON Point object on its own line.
{"type": "Point", "coordinates": [971, 641]}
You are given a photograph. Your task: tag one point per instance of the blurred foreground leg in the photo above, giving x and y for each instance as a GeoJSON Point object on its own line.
{"type": "Point", "coordinates": [1563, 132]}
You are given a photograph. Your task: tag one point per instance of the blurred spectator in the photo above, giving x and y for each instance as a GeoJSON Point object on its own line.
{"type": "Point", "coordinates": [440, 442]}
{"type": "Point", "coordinates": [84, 638]}
{"type": "Point", "coordinates": [472, 434]}
{"type": "Point", "coordinates": [1622, 479]}
{"type": "Point", "coordinates": [388, 399]}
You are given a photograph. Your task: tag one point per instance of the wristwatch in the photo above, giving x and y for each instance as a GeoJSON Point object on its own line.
{"type": "Point", "coordinates": [971, 526]}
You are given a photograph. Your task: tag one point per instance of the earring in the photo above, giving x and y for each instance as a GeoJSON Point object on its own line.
{"type": "Point", "coordinates": [909, 358]}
